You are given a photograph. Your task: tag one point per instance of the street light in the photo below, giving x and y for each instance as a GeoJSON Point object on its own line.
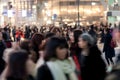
{"type": "Point", "coordinates": [78, 1]}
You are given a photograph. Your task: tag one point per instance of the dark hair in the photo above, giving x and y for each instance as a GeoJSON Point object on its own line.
{"type": "Point", "coordinates": [48, 35]}
{"type": "Point", "coordinates": [0, 29]}
{"type": "Point", "coordinates": [37, 39]}
{"type": "Point", "coordinates": [77, 33]}
{"type": "Point", "coordinates": [17, 65]}
{"type": "Point", "coordinates": [26, 45]}
{"type": "Point", "coordinates": [52, 45]}
{"type": "Point", "coordinates": [107, 30]}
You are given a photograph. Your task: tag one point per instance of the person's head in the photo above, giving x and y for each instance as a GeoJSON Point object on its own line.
{"type": "Point", "coordinates": [56, 48]}
{"type": "Point", "coordinates": [71, 37]}
{"type": "Point", "coordinates": [49, 35]}
{"type": "Point", "coordinates": [17, 64]}
{"type": "Point", "coordinates": [37, 39]}
{"type": "Point", "coordinates": [57, 31]}
{"type": "Point", "coordinates": [26, 45]}
{"type": "Point", "coordinates": [85, 41]}
{"type": "Point", "coordinates": [77, 33]}
{"type": "Point", "coordinates": [92, 27]}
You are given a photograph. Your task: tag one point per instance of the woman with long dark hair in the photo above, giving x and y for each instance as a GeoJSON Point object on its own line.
{"type": "Point", "coordinates": [74, 49]}
{"type": "Point", "coordinates": [17, 66]}
{"type": "Point", "coordinates": [37, 40]}
{"type": "Point", "coordinates": [58, 66]}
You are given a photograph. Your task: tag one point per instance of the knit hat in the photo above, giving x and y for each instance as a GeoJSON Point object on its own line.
{"type": "Point", "coordinates": [87, 37]}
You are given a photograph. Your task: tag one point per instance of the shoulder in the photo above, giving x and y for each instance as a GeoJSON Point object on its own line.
{"type": "Point", "coordinates": [95, 51]}
{"type": "Point", "coordinates": [44, 73]}
{"type": "Point", "coordinates": [44, 67]}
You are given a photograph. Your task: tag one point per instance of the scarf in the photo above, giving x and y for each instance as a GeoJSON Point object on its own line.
{"type": "Point", "coordinates": [59, 68]}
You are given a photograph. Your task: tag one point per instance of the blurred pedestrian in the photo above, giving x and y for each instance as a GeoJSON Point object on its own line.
{"type": "Point", "coordinates": [2, 48]}
{"type": "Point", "coordinates": [91, 63]}
{"type": "Point", "coordinates": [108, 48]}
{"type": "Point", "coordinates": [18, 66]}
{"type": "Point", "coordinates": [57, 66]}
{"type": "Point", "coordinates": [27, 45]}
{"type": "Point", "coordinates": [37, 41]}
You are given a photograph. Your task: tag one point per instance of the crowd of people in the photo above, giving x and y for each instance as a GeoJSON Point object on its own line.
{"type": "Point", "coordinates": [59, 53]}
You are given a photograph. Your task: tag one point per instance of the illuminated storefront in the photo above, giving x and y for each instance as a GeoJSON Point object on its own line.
{"type": "Point", "coordinates": [53, 11]}
{"type": "Point", "coordinates": [25, 11]}
{"type": "Point", "coordinates": [114, 11]}
{"type": "Point", "coordinates": [17, 11]}
{"type": "Point", "coordinates": [67, 11]}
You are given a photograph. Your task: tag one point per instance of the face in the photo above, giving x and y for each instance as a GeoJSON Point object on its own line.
{"type": "Point", "coordinates": [71, 36]}
{"type": "Point", "coordinates": [82, 44]}
{"type": "Point", "coordinates": [61, 53]}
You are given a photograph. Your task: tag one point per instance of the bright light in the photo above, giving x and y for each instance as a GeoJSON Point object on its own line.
{"type": "Point", "coordinates": [49, 22]}
{"type": "Point", "coordinates": [24, 13]}
{"type": "Point", "coordinates": [65, 22]}
{"type": "Point", "coordinates": [43, 10]}
{"type": "Point", "coordinates": [55, 11]}
{"type": "Point", "coordinates": [10, 13]}
{"type": "Point", "coordinates": [46, 4]}
{"type": "Point", "coordinates": [48, 13]}
{"type": "Point", "coordinates": [45, 19]}
{"type": "Point", "coordinates": [88, 11]}
{"type": "Point", "coordinates": [98, 10]}
{"type": "Point", "coordinates": [93, 3]}
{"type": "Point", "coordinates": [88, 23]}
{"type": "Point", "coordinates": [81, 24]}
{"type": "Point", "coordinates": [73, 23]}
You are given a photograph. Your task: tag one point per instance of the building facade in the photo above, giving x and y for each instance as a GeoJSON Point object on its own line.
{"type": "Point", "coordinates": [52, 11]}
{"type": "Point", "coordinates": [17, 12]}
{"type": "Point", "coordinates": [113, 11]}
{"type": "Point", "coordinates": [59, 11]}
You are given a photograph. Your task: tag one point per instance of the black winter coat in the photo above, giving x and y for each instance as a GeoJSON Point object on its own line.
{"type": "Point", "coordinates": [2, 62]}
{"type": "Point", "coordinates": [44, 73]}
{"type": "Point", "coordinates": [109, 51]}
{"type": "Point", "coordinates": [93, 66]}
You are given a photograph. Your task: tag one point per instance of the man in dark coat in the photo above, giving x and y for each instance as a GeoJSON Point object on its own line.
{"type": "Point", "coordinates": [2, 48]}
{"type": "Point", "coordinates": [93, 33]}
{"type": "Point", "coordinates": [108, 49]}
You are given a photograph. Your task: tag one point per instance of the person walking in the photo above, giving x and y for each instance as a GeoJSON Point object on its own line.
{"type": "Point", "coordinates": [58, 66]}
{"type": "Point", "coordinates": [108, 48]}
{"type": "Point", "coordinates": [91, 63]}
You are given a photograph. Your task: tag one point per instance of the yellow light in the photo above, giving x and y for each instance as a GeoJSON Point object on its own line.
{"type": "Point", "coordinates": [55, 11]}
{"type": "Point", "coordinates": [46, 4]}
{"type": "Point", "coordinates": [45, 19]}
{"type": "Point", "coordinates": [48, 12]}
{"type": "Point", "coordinates": [93, 3]}
{"type": "Point", "coordinates": [43, 10]}
{"type": "Point", "coordinates": [49, 22]}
